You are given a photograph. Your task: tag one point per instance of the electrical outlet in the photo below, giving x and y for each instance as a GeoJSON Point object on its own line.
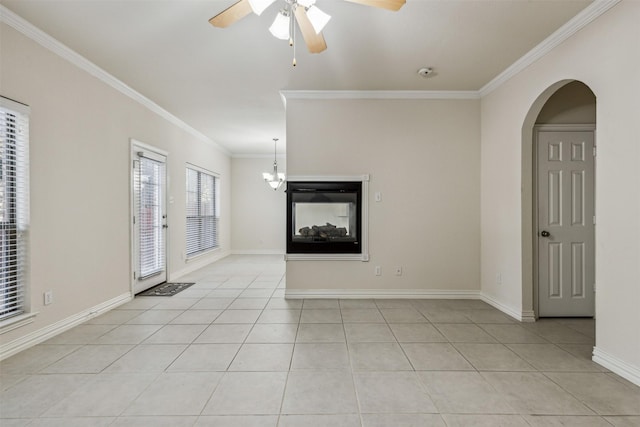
{"type": "Point", "coordinates": [378, 270]}
{"type": "Point", "coordinates": [378, 196]}
{"type": "Point", "coordinates": [499, 279]}
{"type": "Point", "coordinates": [398, 271]}
{"type": "Point", "coordinates": [48, 297]}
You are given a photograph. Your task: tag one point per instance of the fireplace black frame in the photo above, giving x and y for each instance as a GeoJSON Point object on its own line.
{"type": "Point", "coordinates": [323, 246]}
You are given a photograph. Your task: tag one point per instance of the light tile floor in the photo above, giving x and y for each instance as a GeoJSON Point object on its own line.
{"type": "Point", "coordinates": [231, 351]}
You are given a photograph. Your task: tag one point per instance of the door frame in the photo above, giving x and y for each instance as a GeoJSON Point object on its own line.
{"type": "Point", "coordinates": [135, 146]}
{"type": "Point", "coordinates": [589, 127]}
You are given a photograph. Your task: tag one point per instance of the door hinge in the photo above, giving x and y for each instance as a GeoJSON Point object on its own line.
{"type": "Point", "coordinates": [134, 275]}
{"type": "Point", "coordinates": [594, 220]}
{"type": "Point", "coordinates": [594, 151]}
{"type": "Point", "coordinates": [134, 219]}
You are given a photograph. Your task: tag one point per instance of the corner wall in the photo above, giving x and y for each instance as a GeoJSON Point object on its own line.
{"type": "Point", "coordinates": [423, 157]}
{"type": "Point", "coordinates": [602, 55]}
{"type": "Point", "coordinates": [258, 214]}
{"type": "Point", "coordinates": [80, 130]}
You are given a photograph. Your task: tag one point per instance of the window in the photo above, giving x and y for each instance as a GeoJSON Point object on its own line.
{"type": "Point", "coordinates": [14, 212]}
{"type": "Point", "coordinates": [203, 210]}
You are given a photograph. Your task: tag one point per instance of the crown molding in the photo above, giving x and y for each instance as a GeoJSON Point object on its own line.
{"type": "Point", "coordinates": [582, 19]}
{"type": "Point", "coordinates": [575, 24]}
{"type": "Point", "coordinates": [258, 156]}
{"type": "Point", "coordinates": [379, 94]}
{"type": "Point", "coordinates": [29, 30]}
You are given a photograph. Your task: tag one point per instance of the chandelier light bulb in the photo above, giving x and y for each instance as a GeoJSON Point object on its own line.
{"type": "Point", "coordinates": [275, 179]}
{"type": "Point", "coordinates": [306, 3]}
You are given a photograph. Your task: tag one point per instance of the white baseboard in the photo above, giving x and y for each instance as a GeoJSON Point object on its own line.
{"type": "Point", "coordinates": [41, 335]}
{"type": "Point", "coordinates": [380, 294]}
{"type": "Point", "coordinates": [615, 365]}
{"type": "Point", "coordinates": [197, 263]}
{"type": "Point", "coordinates": [522, 316]}
{"type": "Point", "coordinates": [528, 316]}
{"type": "Point", "coordinates": [257, 252]}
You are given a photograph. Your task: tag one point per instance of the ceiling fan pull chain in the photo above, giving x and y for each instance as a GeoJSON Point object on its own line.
{"type": "Point", "coordinates": [291, 19]}
{"type": "Point", "coordinates": [293, 37]}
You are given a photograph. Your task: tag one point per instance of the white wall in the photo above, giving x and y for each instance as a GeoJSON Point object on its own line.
{"type": "Point", "coordinates": [80, 132]}
{"type": "Point", "coordinates": [258, 214]}
{"type": "Point", "coordinates": [604, 56]}
{"type": "Point", "coordinates": [423, 157]}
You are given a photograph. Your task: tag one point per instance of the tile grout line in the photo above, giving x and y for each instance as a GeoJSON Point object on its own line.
{"type": "Point", "coordinates": [545, 374]}
{"type": "Point", "coordinates": [353, 373]}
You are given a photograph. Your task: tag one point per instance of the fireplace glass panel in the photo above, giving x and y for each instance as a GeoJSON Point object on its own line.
{"type": "Point", "coordinates": [323, 217]}
{"type": "Point", "coordinates": [325, 221]}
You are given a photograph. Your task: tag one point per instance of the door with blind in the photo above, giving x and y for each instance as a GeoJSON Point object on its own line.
{"type": "Point", "coordinates": [149, 217]}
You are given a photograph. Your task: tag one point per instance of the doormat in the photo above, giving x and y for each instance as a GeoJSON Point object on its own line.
{"type": "Point", "coordinates": [165, 289]}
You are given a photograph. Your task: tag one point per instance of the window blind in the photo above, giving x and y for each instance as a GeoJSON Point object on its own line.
{"type": "Point", "coordinates": [14, 206]}
{"type": "Point", "coordinates": [150, 181]}
{"type": "Point", "coordinates": [202, 211]}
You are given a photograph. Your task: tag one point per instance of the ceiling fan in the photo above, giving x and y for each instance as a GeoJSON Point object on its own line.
{"type": "Point", "coordinates": [308, 17]}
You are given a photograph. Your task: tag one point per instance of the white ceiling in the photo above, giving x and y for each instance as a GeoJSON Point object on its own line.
{"type": "Point", "coordinates": [225, 82]}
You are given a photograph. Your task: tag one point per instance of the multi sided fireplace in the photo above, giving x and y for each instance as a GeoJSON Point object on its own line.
{"type": "Point", "coordinates": [324, 217]}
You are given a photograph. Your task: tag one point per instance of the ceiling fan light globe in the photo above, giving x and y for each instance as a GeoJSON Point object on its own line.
{"type": "Point", "coordinates": [280, 27]}
{"type": "Point", "coordinates": [318, 18]}
{"type": "Point", "coordinates": [306, 3]}
{"type": "Point", "coordinates": [258, 6]}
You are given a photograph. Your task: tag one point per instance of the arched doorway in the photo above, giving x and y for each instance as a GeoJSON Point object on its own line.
{"type": "Point", "coordinates": [565, 107]}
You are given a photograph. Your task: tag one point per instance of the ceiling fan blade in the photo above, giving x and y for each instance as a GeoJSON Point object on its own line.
{"type": "Point", "coordinates": [384, 4]}
{"type": "Point", "coordinates": [231, 14]}
{"type": "Point", "coordinates": [315, 42]}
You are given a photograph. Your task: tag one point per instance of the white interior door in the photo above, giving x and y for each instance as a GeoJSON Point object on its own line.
{"type": "Point", "coordinates": [566, 231]}
{"type": "Point", "coordinates": [149, 218]}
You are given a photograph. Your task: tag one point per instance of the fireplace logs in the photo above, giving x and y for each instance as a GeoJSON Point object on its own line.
{"type": "Point", "coordinates": [324, 231]}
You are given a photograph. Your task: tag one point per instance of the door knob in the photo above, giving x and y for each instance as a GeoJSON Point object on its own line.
{"type": "Point", "coordinates": [545, 233]}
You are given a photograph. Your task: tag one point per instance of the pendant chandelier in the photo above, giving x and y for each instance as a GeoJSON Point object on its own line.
{"type": "Point", "coordinates": [274, 179]}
